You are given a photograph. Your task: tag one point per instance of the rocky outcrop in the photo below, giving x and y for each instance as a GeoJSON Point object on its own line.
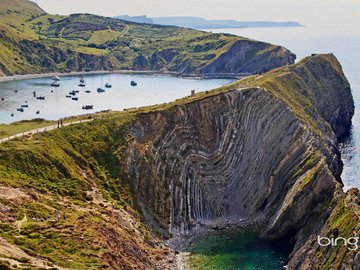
{"type": "Point", "coordinates": [245, 57]}
{"type": "Point", "coordinates": [265, 154]}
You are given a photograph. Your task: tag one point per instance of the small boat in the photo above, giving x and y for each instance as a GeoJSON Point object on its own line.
{"type": "Point", "coordinates": [133, 83]}
{"type": "Point", "coordinates": [87, 91]}
{"type": "Point", "coordinates": [88, 107]}
{"type": "Point", "coordinates": [100, 90]}
{"type": "Point", "coordinates": [16, 91]}
{"type": "Point", "coordinates": [41, 98]}
{"type": "Point", "coordinates": [82, 82]}
{"type": "Point", "coordinates": [77, 91]}
{"type": "Point", "coordinates": [108, 85]}
{"type": "Point", "coordinates": [55, 84]}
{"type": "Point", "coordinates": [73, 93]}
{"type": "Point", "coordinates": [37, 112]}
{"type": "Point", "coordinates": [68, 96]}
{"type": "Point", "coordinates": [56, 78]}
{"type": "Point", "coordinates": [75, 98]}
{"type": "Point", "coordinates": [34, 92]}
{"type": "Point", "coordinates": [25, 106]}
{"type": "Point", "coordinates": [2, 98]}
{"type": "Point", "coordinates": [12, 115]}
{"type": "Point", "coordinates": [20, 110]}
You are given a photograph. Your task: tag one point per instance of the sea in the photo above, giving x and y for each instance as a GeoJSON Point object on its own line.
{"type": "Point", "coordinates": [58, 103]}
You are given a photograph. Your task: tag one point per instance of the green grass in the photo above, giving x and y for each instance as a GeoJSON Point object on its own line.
{"type": "Point", "coordinates": [76, 42]}
{"type": "Point", "coordinates": [7, 130]}
{"type": "Point", "coordinates": [23, 126]}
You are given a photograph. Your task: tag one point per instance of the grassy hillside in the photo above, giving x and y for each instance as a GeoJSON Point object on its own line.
{"type": "Point", "coordinates": [34, 41]}
{"type": "Point", "coordinates": [65, 203]}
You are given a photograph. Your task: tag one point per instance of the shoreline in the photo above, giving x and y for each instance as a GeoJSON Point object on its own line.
{"type": "Point", "coordinates": [19, 77]}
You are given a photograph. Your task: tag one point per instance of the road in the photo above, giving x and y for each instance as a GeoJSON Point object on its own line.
{"type": "Point", "coordinates": [40, 130]}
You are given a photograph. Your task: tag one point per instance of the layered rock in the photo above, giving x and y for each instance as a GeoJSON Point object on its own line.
{"type": "Point", "coordinates": [266, 154]}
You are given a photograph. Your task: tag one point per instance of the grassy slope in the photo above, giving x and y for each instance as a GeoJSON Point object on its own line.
{"type": "Point", "coordinates": [73, 171]}
{"type": "Point", "coordinates": [72, 42]}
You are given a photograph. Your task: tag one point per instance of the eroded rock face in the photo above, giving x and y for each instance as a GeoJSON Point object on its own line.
{"type": "Point", "coordinates": [245, 154]}
{"type": "Point", "coordinates": [216, 158]}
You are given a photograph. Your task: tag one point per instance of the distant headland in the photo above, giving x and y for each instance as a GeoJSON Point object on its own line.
{"type": "Point", "coordinates": [201, 23]}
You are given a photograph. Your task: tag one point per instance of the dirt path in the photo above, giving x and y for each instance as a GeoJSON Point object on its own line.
{"type": "Point", "coordinates": [126, 30]}
{"type": "Point", "coordinates": [40, 130]}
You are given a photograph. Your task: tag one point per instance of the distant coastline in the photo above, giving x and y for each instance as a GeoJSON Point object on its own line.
{"type": "Point", "coordinates": [201, 23]}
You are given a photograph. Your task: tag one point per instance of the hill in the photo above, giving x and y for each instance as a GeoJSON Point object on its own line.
{"type": "Point", "coordinates": [35, 42]}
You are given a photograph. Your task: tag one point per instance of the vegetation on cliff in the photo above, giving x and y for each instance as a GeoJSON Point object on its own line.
{"type": "Point", "coordinates": [35, 42]}
{"type": "Point", "coordinates": [65, 202]}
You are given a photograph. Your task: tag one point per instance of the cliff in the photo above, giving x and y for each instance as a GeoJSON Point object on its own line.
{"type": "Point", "coordinates": [262, 150]}
{"type": "Point", "coordinates": [85, 42]}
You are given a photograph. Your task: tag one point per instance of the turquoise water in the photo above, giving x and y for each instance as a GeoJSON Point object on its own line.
{"type": "Point", "coordinates": [150, 90]}
{"type": "Point", "coordinates": [234, 250]}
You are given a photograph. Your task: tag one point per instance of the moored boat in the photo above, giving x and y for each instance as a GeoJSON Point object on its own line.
{"type": "Point", "coordinates": [88, 107]}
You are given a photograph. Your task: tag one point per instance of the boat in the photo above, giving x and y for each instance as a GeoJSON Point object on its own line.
{"type": "Point", "coordinates": [68, 96]}
{"type": "Point", "coordinates": [88, 107]}
{"type": "Point", "coordinates": [77, 91]}
{"type": "Point", "coordinates": [20, 110]}
{"type": "Point", "coordinates": [108, 84]}
{"type": "Point", "coordinates": [133, 83]}
{"type": "Point", "coordinates": [12, 115]}
{"type": "Point", "coordinates": [73, 93]}
{"type": "Point", "coordinates": [37, 112]}
{"type": "Point", "coordinates": [82, 82]}
{"type": "Point", "coordinates": [16, 91]}
{"type": "Point", "coordinates": [25, 106]}
{"type": "Point", "coordinates": [41, 98]}
{"type": "Point", "coordinates": [100, 89]}
{"type": "Point", "coordinates": [2, 98]}
{"type": "Point", "coordinates": [55, 84]}
{"type": "Point", "coordinates": [75, 98]}
{"type": "Point", "coordinates": [56, 78]}
{"type": "Point", "coordinates": [87, 91]}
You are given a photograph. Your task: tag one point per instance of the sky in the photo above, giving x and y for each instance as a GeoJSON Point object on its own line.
{"type": "Point", "coordinates": [308, 12]}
